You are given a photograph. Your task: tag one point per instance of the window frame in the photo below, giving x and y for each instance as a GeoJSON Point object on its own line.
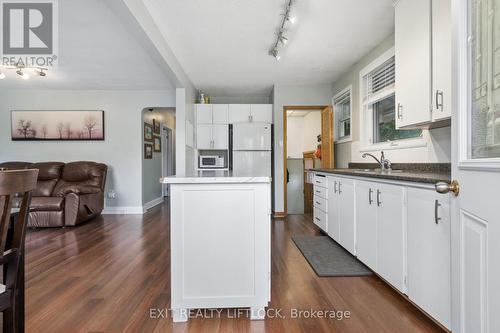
{"type": "Point", "coordinates": [336, 118]}
{"type": "Point", "coordinates": [367, 114]}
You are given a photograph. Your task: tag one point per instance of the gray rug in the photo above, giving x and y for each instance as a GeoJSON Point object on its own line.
{"type": "Point", "coordinates": [328, 258]}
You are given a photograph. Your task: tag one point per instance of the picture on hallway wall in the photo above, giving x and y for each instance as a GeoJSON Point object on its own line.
{"type": "Point", "coordinates": [148, 132]}
{"type": "Point", "coordinates": [156, 126]}
{"type": "Point", "coordinates": [61, 125]}
{"type": "Point", "coordinates": [148, 151]}
{"type": "Point", "coordinates": [157, 144]}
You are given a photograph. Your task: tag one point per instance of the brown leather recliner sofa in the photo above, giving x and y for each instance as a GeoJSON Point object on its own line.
{"type": "Point", "coordinates": [66, 194]}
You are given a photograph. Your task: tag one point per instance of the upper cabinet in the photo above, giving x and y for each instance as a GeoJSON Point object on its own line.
{"type": "Point", "coordinates": [423, 62]}
{"type": "Point", "coordinates": [239, 113]}
{"type": "Point", "coordinates": [212, 113]}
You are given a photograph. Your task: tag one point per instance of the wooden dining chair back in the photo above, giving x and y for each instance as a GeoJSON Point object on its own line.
{"type": "Point", "coordinates": [13, 184]}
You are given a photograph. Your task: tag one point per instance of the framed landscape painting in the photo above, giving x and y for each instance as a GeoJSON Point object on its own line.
{"type": "Point", "coordinates": [57, 125]}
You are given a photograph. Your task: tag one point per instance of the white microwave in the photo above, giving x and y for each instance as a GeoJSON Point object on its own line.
{"type": "Point", "coordinates": [211, 161]}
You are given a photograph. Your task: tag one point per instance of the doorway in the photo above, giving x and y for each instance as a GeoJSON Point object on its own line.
{"type": "Point", "coordinates": [168, 156]}
{"type": "Point", "coordinates": [317, 152]}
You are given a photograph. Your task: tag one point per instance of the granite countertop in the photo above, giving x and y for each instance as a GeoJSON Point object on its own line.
{"type": "Point", "coordinates": [215, 177]}
{"type": "Point", "coordinates": [419, 173]}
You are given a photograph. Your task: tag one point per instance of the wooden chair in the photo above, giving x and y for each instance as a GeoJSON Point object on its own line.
{"type": "Point", "coordinates": [15, 183]}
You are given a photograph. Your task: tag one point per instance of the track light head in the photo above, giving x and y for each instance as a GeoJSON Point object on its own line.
{"type": "Point", "coordinates": [283, 40]}
{"type": "Point", "coordinates": [22, 74]}
{"type": "Point", "coordinates": [41, 72]}
{"type": "Point", "coordinates": [275, 53]}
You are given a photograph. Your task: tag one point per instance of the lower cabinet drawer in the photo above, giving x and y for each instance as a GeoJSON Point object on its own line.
{"type": "Point", "coordinates": [320, 203]}
{"type": "Point", "coordinates": [321, 192]}
{"type": "Point", "coordinates": [320, 180]}
{"type": "Point", "coordinates": [320, 219]}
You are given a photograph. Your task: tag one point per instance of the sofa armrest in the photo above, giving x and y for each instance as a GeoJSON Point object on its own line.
{"type": "Point", "coordinates": [81, 189]}
{"type": "Point", "coordinates": [81, 207]}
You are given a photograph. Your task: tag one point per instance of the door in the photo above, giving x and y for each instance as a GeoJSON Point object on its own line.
{"type": "Point", "coordinates": [346, 213]}
{"type": "Point", "coordinates": [262, 113]}
{"type": "Point", "coordinates": [220, 113]}
{"type": "Point", "coordinates": [390, 234]}
{"type": "Point", "coordinates": [366, 224]}
{"type": "Point", "coordinates": [429, 280]}
{"type": "Point", "coordinates": [204, 113]}
{"type": "Point", "coordinates": [251, 136]}
{"type": "Point", "coordinates": [204, 137]}
{"type": "Point", "coordinates": [333, 208]}
{"type": "Point", "coordinates": [441, 59]}
{"type": "Point", "coordinates": [476, 166]}
{"type": "Point", "coordinates": [413, 62]}
{"type": "Point", "coordinates": [220, 137]}
{"type": "Point", "coordinates": [327, 147]}
{"type": "Point", "coordinates": [239, 113]}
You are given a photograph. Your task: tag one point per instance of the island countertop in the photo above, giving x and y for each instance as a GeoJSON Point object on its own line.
{"type": "Point", "coordinates": [214, 177]}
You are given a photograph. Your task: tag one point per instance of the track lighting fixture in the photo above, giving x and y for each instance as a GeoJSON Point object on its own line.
{"type": "Point", "coordinates": [22, 71]}
{"type": "Point", "coordinates": [281, 39]}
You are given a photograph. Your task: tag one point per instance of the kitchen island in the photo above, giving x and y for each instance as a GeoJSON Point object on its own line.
{"type": "Point", "coordinates": [220, 242]}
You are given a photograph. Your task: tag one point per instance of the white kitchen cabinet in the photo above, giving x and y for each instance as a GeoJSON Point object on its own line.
{"type": "Point", "coordinates": [204, 137]}
{"type": "Point", "coordinates": [320, 201]}
{"type": "Point", "coordinates": [220, 114]}
{"type": "Point", "coordinates": [366, 224]}
{"type": "Point", "coordinates": [204, 113]}
{"type": "Point", "coordinates": [423, 62]}
{"type": "Point", "coordinates": [441, 59]}
{"type": "Point", "coordinates": [220, 137]}
{"type": "Point", "coordinates": [429, 253]}
{"type": "Point", "coordinates": [341, 225]}
{"type": "Point", "coordinates": [212, 113]}
{"type": "Point", "coordinates": [239, 113]}
{"type": "Point", "coordinates": [413, 62]}
{"type": "Point", "coordinates": [390, 234]}
{"type": "Point", "coordinates": [333, 209]}
{"type": "Point", "coordinates": [261, 113]}
{"type": "Point", "coordinates": [212, 137]}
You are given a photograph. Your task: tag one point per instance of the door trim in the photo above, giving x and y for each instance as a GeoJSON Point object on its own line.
{"type": "Point", "coordinates": [285, 144]}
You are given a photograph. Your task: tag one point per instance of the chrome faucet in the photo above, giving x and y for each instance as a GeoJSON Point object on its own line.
{"type": "Point", "coordinates": [385, 164]}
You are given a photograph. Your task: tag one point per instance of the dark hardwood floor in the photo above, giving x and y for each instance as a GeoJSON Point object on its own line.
{"type": "Point", "coordinates": [106, 275]}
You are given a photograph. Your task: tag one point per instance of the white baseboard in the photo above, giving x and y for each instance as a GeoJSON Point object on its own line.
{"type": "Point", "coordinates": [152, 203]}
{"type": "Point", "coordinates": [123, 210]}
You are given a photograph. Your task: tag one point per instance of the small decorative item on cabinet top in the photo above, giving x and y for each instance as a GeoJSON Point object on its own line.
{"type": "Point", "coordinates": [148, 151]}
{"type": "Point", "coordinates": [156, 126]}
{"type": "Point", "coordinates": [157, 144]}
{"type": "Point", "coordinates": [148, 132]}
{"type": "Point", "coordinates": [201, 97]}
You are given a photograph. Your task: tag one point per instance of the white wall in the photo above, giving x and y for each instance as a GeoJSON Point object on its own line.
{"type": "Point", "coordinates": [121, 150]}
{"type": "Point", "coordinates": [438, 141]}
{"type": "Point", "coordinates": [283, 95]}
{"type": "Point", "coordinates": [302, 134]}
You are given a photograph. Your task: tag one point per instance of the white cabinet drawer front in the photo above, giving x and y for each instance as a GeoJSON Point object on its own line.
{"type": "Point", "coordinates": [321, 192]}
{"type": "Point", "coordinates": [320, 219]}
{"type": "Point", "coordinates": [321, 181]}
{"type": "Point", "coordinates": [320, 203]}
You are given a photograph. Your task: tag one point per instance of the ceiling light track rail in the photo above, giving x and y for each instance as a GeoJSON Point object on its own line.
{"type": "Point", "coordinates": [281, 39]}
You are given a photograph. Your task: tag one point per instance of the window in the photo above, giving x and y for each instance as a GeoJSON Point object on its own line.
{"type": "Point", "coordinates": [342, 108]}
{"type": "Point", "coordinates": [380, 104]}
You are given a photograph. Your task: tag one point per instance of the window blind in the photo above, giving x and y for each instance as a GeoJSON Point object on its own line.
{"type": "Point", "coordinates": [380, 79]}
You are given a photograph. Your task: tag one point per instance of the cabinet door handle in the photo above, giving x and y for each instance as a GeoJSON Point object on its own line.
{"type": "Point", "coordinates": [370, 200]}
{"type": "Point", "coordinates": [317, 219]}
{"type": "Point", "coordinates": [400, 111]}
{"type": "Point", "coordinates": [318, 203]}
{"type": "Point", "coordinates": [378, 198]}
{"type": "Point", "coordinates": [319, 192]}
{"type": "Point", "coordinates": [335, 187]}
{"type": "Point", "coordinates": [439, 105]}
{"type": "Point", "coordinates": [340, 187]}
{"type": "Point", "coordinates": [436, 211]}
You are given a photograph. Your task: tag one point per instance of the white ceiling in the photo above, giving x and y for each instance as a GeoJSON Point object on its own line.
{"type": "Point", "coordinates": [99, 49]}
{"type": "Point", "coordinates": [223, 45]}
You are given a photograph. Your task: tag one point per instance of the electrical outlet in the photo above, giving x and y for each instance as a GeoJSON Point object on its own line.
{"type": "Point", "coordinates": [111, 194]}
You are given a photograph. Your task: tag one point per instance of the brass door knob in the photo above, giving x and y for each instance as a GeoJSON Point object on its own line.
{"type": "Point", "coordinates": [444, 188]}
